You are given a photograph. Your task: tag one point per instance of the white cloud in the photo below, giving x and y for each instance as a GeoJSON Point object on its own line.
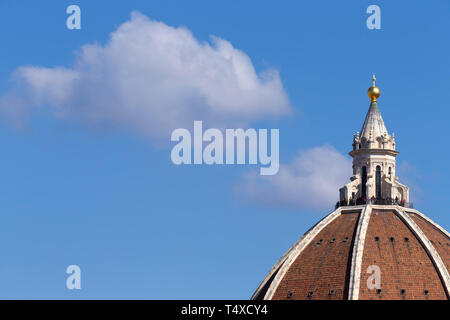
{"type": "Point", "coordinates": [310, 182]}
{"type": "Point", "coordinates": [151, 78]}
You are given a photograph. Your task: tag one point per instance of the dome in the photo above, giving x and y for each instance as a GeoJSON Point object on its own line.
{"type": "Point", "coordinates": [341, 256]}
{"type": "Point", "coordinates": [374, 245]}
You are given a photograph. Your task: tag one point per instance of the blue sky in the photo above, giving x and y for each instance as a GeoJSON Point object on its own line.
{"type": "Point", "coordinates": [105, 195]}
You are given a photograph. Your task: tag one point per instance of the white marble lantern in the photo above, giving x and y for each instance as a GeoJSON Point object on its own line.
{"type": "Point", "coordinates": [374, 164]}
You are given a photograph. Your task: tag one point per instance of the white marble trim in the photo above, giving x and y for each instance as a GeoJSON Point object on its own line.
{"type": "Point", "coordinates": [428, 246]}
{"type": "Point", "coordinates": [298, 248]}
{"type": "Point", "coordinates": [357, 254]}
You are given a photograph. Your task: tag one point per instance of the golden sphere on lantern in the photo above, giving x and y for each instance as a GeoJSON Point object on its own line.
{"type": "Point", "coordinates": [374, 91]}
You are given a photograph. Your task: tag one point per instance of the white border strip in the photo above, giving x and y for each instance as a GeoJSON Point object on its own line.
{"type": "Point", "coordinates": [283, 258]}
{"type": "Point", "coordinates": [357, 254]}
{"type": "Point", "coordinates": [306, 240]}
{"type": "Point", "coordinates": [271, 272]}
{"type": "Point", "coordinates": [428, 220]}
{"type": "Point", "coordinates": [286, 255]}
{"type": "Point", "coordinates": [439, 264]}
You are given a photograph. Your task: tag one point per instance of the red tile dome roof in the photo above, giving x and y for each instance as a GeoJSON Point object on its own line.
{"type": "Point", "coordinates": [336, 258]}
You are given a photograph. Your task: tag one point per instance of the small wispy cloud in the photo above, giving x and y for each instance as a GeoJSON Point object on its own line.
{"type": "Point", "coordinates": [310, 182]}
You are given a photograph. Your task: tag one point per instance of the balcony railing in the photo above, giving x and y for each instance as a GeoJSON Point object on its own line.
{"type": "Point", "coordinates": [361, 201]}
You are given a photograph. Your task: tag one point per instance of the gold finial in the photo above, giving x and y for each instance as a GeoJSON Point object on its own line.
{"type": "Point", "coordinates": [374, 91]}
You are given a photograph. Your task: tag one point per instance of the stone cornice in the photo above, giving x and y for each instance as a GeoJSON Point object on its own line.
{"type": "Point", "coordinates": [381, 152]}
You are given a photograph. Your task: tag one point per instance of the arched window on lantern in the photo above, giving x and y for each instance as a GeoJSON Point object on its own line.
{"type": "Point", "coordinates": [378, 182]}
{"type": "Point", "coordinates": [363, 182]}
